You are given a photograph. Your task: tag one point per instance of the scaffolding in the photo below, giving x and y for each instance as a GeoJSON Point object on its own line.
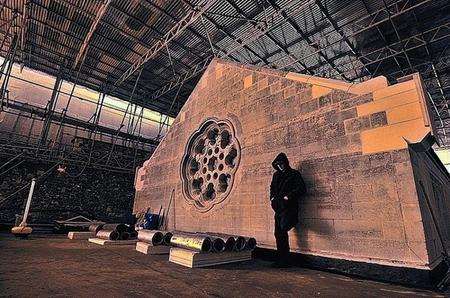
{"type": "Point", "coordinates": [76, 141]}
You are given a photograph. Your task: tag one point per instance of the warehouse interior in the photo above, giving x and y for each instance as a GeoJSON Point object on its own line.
{"type": "Point", "coordinates": [114, 113]}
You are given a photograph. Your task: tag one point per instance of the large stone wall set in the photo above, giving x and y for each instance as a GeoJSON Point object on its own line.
{"type": "Point", "coordinates": [350, 142]}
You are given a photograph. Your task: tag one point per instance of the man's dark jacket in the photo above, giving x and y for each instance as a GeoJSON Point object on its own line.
{"type": "Point", "coordinates": [287, 183]}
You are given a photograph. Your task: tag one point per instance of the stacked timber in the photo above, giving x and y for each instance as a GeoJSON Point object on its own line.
{"type": "Point", "coordinates": [208, 249]}
{"type": "Point", "coordinates": [153, 242]}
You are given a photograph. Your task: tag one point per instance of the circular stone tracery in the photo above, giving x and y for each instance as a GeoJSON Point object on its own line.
{"type": "Point", "coordinates": [209, 164]}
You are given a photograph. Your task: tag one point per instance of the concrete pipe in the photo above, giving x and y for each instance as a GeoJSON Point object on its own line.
{"type": "Point", "coordinates": [190, 241]}
{"type": "Point", "coordinates": [133, 234]}
{"type": "Point", "coordinates": [107, 235]}
{"type": "Point", "coordinates": [240, 243]}
{"type": "Point", "coordinates": [124, 236]}
{"type": "Point", "coordinates": [229, 240]}
{"type": "Point", "coordinates": [95, 228]}
{"type": "Point", "coordinates": [250, 243]}
{"type": "Point", "coordinates": [153, 237]}
{"type": "Point", "coordinates": [218, 244]}
{"type": "Point", "coordinates": [118, 227]}
{"type": "Point", "coordinates": [132, 231]}
{"type": "Point", "coordinates": [232, 242]}
{"type": "Point", "coordinates": [167, 237]}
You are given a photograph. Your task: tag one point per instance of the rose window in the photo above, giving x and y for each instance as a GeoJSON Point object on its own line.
{"type": "Point", "coordinates": [210, 161]}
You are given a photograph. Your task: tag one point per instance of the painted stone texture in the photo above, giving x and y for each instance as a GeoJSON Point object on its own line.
{"type": "Point", "coordinates": [348, 141]}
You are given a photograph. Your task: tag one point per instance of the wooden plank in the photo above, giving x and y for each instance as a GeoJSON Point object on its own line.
{"type": "Point", "coordinates": [194, 259]}
{"type": "Point", "coordinates": [149, 249]}
{"type": "Point", "coordinates": [112, 242]}
{"type": "Point", "coordinates": [80, 235]}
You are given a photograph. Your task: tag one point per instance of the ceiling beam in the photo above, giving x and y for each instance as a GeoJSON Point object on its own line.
{"type": "Point", "coordinates": [333, 23]}
{"type": "Point", "coordinates": [230, 35]}
{"type": "Point", "coordinates": [308, 40]}
{"type": "Point", "coordinates": [175, 31]}
{"type": "Point", "coordinates": [276, 42]}
{"type": "Point", "coordinates": [83, 49]}
{"type": "Point", "coordinates": [246, 38]}
{"type": "Point", "coordinates": [23, 29]}
{"type": "Point", "coordinates": [98, 34]}
{"type": "Point", "coordinates": [361, 25]}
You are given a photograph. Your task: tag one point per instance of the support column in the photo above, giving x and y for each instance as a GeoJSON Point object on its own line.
{"type": "Point", "coordinates": [51, 109]}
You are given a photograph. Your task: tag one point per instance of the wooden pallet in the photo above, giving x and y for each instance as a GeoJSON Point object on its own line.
{"type": "Point", "coordinates": [112, 242]}
{"type": "Point", "coordinates": [192, 259]}
{"type": "Point", "coordinates": [149, 249]}
{"type": "Point", "coordinates": [80, 235]}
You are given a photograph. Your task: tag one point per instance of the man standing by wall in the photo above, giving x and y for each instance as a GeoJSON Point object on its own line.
{"type": "Point", "coordinates": [286, 189]}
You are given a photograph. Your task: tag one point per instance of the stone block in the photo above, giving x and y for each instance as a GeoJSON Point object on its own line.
{"type": "Point", "coordinates": [418, 253]}
{"type": "Point", "coordinates": [318, 91]}
{"type": "Point", "coordinates": [393, 230]}
{"type": "Point", "coordinates": [248, 81]}
{"type": "Point", "coordinates": [308, 210]}
{"type": "Point", "coordinates": [309, 106]}
{"type": "Point", "coordinates": [363, 193]}
{"type": "Point", "coordinates": [317, 226]}
{"type": "Point", "coordinates": [414, 231]}
{"type": "Point", "coordinates": [406, 190]}
{"type": "Point", "coordinates": [383, 211]}
{"type": "Point", "coordinates": [324, 100]}
{"type": "Point", "coordinates": [388, 250]}
{"type": "Point", "coordinates": [334, 211]}
{"type": "Point", "coordinates": [356, 101]}
{"type": "Point", "coordinates": [370, 228]}
{"type": "Point", "coordinates": [357, 124]}
{"type": "Point", "coordinates": [339, 95]}
{"type": "Point", "coordinates": [411, 212]}
{"type": "Point", "coordinates": [403, 113]}
{"type": "Point", "coordinates": [378, 119]}
{"type": "Point", "coordinates": [348, 114]}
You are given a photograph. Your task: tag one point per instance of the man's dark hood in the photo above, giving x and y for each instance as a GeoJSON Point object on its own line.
{"type": "Point", "coordinates": [281, 158]}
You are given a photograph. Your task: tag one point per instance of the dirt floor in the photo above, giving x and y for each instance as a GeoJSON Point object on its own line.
{"type": "Point", "coordinates": [55, 266]}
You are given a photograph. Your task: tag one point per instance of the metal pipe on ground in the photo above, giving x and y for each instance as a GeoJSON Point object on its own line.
{"type": "Point", "coordinates": [218, 244]}
{"type": "Point", "coordinates": [133, 234]}
{"type": "Point", "coordinates": [132, 231]}
{"type": "Point", "coordinates": [124, 236]}
{"type": "Point", "coordinates": [250, 243]}
{"type": "Point", "coordinates": [118, 227]}
{"type": "Point", "coordinates": [239, 244]}
{"type": "Point", "coordinates": [192, 241]}
{"type": "Point", "coordinates": [107, 235]}
{"type": "Point", "coordinates": [153, 237]}
{"type": "Point", "coordinates": [167, 237]}
{"type": "Point", "coordinates": [95, 228]}
{"type": "Point", "coordinates": [230, 241]}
